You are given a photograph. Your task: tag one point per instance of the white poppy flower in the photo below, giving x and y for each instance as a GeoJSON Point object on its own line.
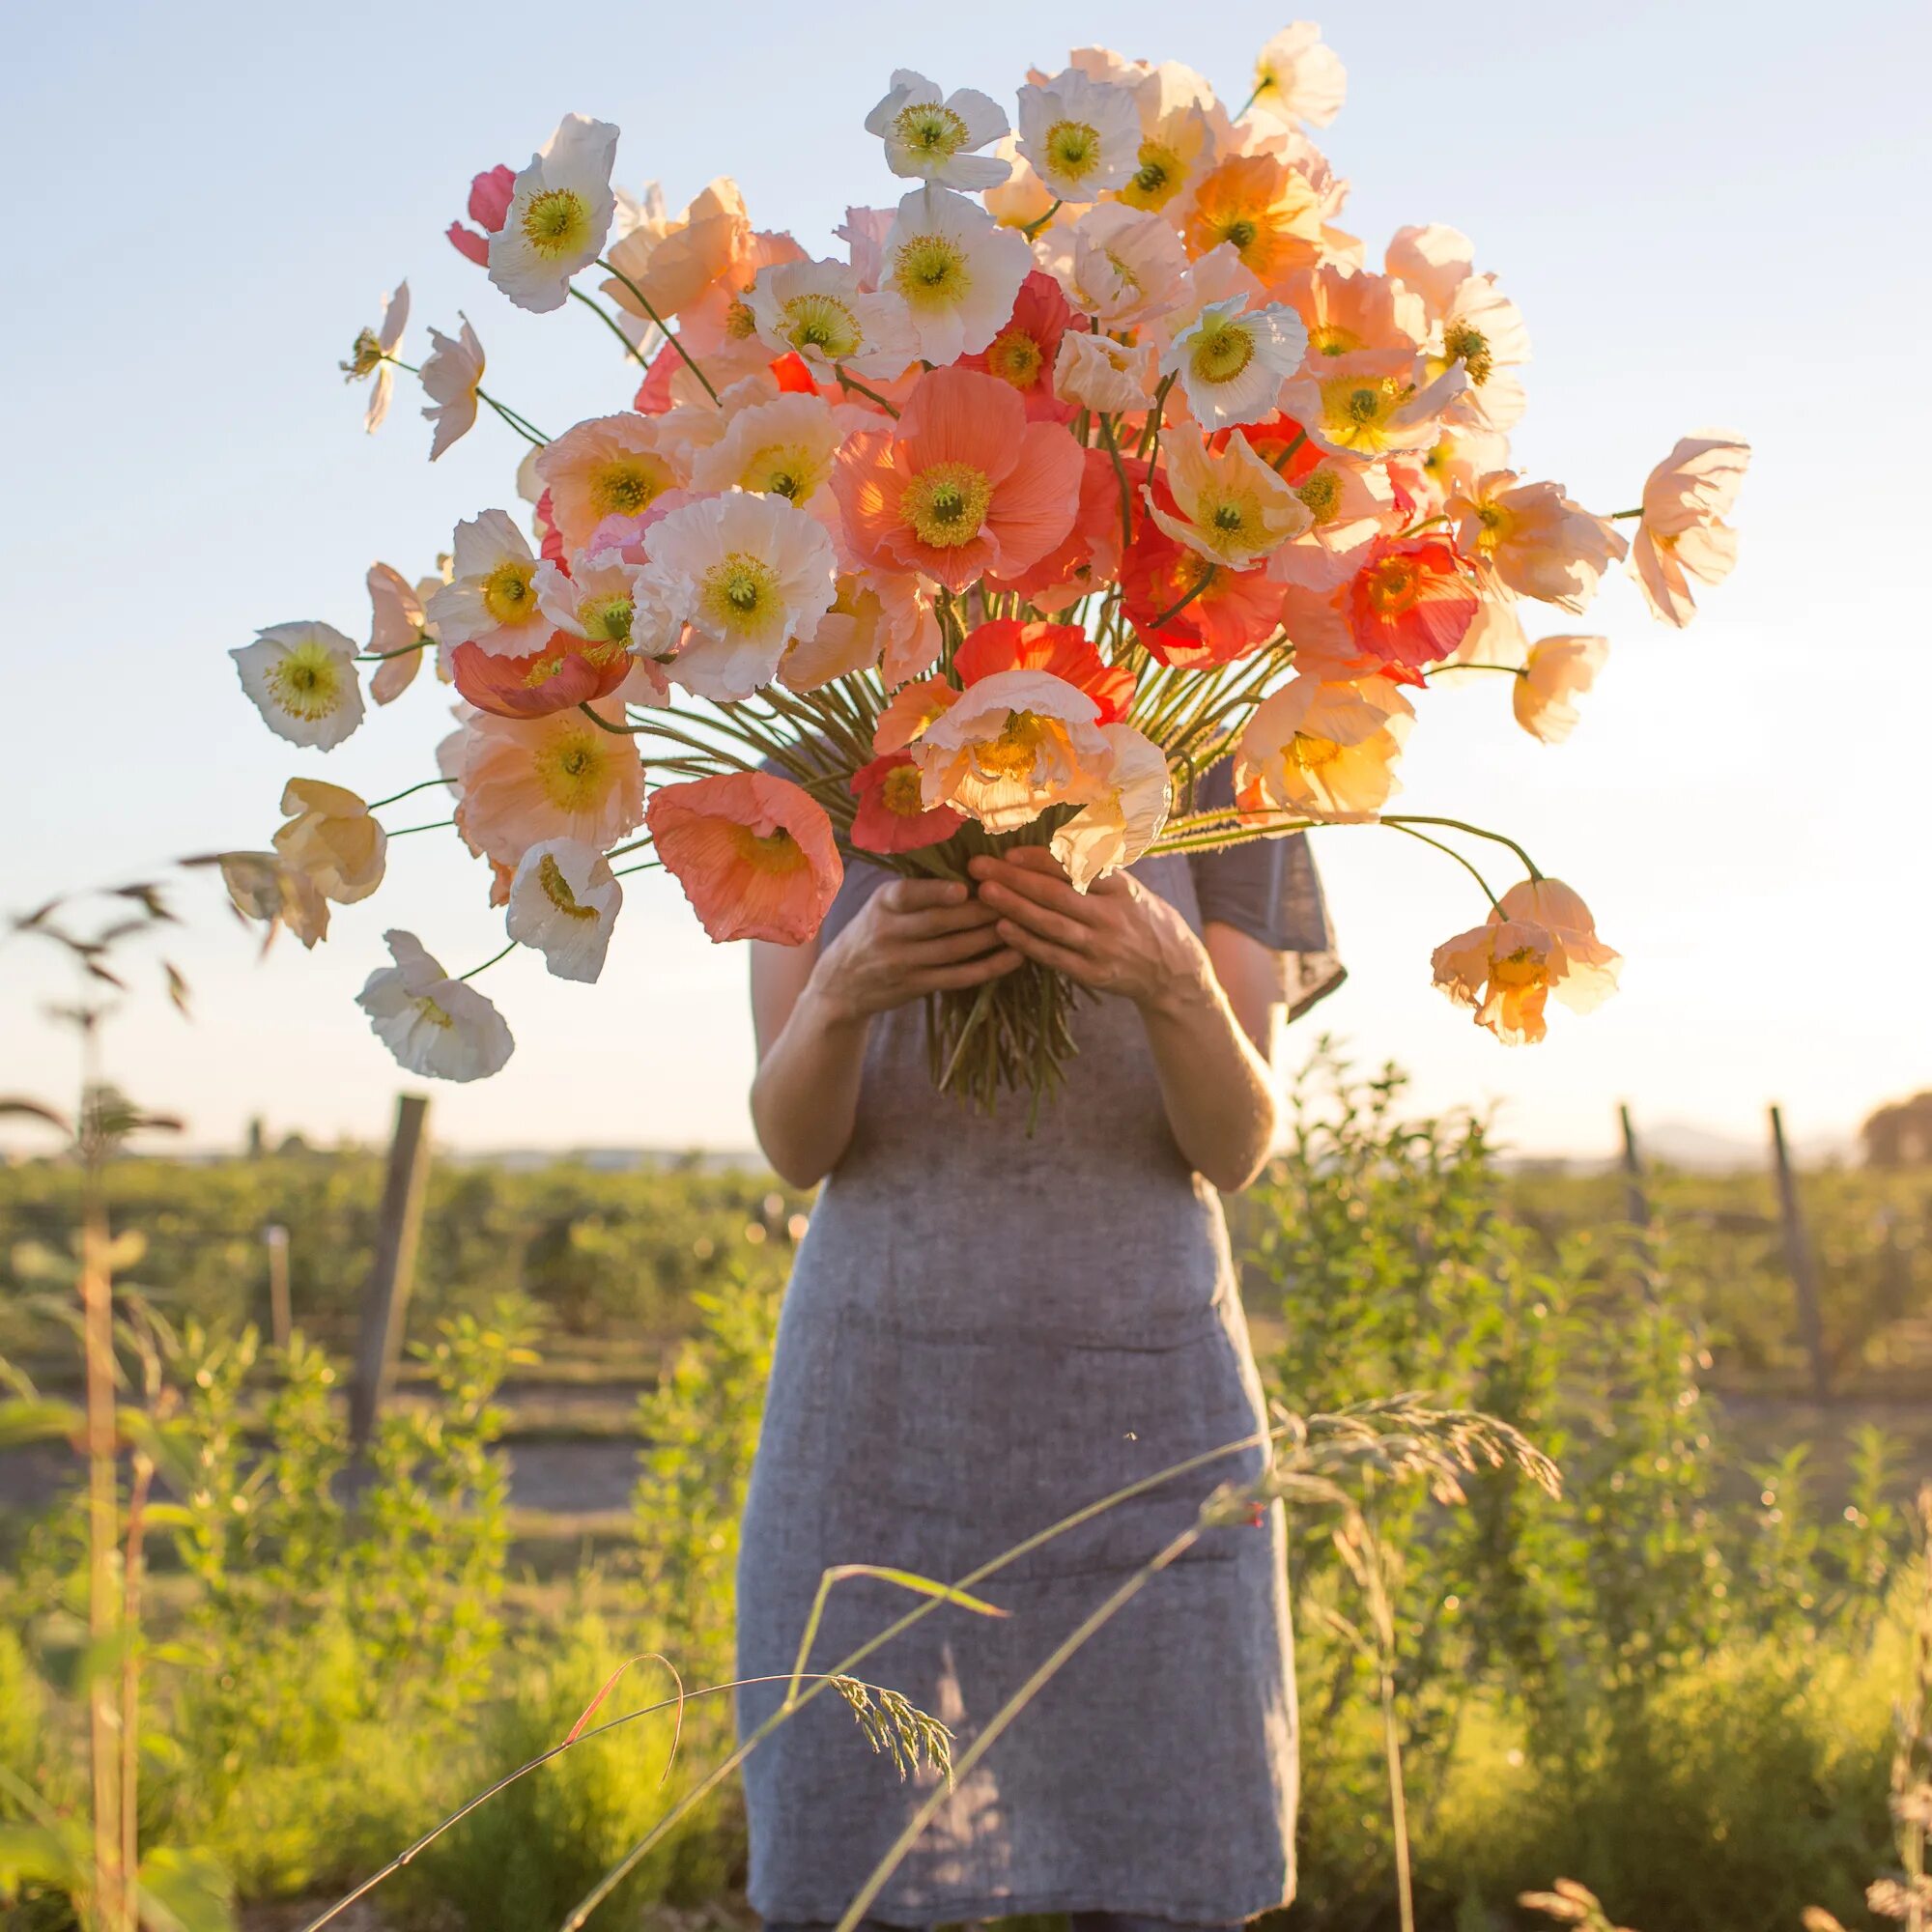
{"type": "Point", "coordinates": [452, 373]}
{"type": "Point", "coordinates": [303, 680]}
{"type": "Point", "coordinates": [1121, 824]}
{"type": "Point", "coordinates": [956, 271]}
{"type": "Point", "coordinates": [1127, 266]}
{"type": "Point", "coordinates": [433, 1024]}
{"type": "Point", "coordinates": [820, 310]}
{"type": "Point", "coordinates": [560, 212]}
{"type": "Point", "coordinates": [598, 604]}
{"type": "Point", "coordinates": [1231, 360]}
{"type": "Point", "coordinates": [931, 136]}
{"type": "Point", "coordinates": [491, 601]}
{"type": "Point", "coordinates": [1082, 136]}
{"type": "Point", "coordinates": [563, 901]}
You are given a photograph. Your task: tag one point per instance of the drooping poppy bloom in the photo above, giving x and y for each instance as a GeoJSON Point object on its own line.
{"type": "Point", "coordinates": [1080, 135]}
{"type": "Point", "coordinates": [433, 1024]}
{"type": "Point", "coordinates": [1546, 690]}
{"type": "Point", "coordinates": [1681, 533]}
{"type": "Point", "coordinates": [910, 711]}
{"type": "Point", "coordinates": [755, 854]}
{"type": "Point", "coordinates": [1409, 605]}
{"type": "Point", "coordinates": [491, 601]}
{"type": "Point", "coordinates": [608, 467]}
{"type": "Point", "coordinates": [1065, 650]}
{"type": "Point", "coordinates": [1262, 208]}
{"type": "Point", "coordinates": [891, 815]}
{"type": "Point", "coordinates": [563, 902]}
{"type": "Point", "coordinates": [301, 678]}
{"type": "Point", "coordinates": [262, 885]}
{"type": "Point", "coordinates": [1125, 819]}
{"type": "Point", "coordinates": [1023, 353]}
{"type": "Point", "coordinates": [1538, 940]}
{"type": "Point", "coordinates": [521, 780]}
{"type": "Point", "coordinates": [371, 353]}
{"type": "Point", "coordinates": [1537, 541]}
{"type": "Point", "coordinates": [331, 837]}
{"type": "Point", "coordinates": [1012, 745]}
{"type": "Point", "coordinates": [964, 486]}
{"type": "Point", "coordinates": [930, 134]}
{"type": "Point", "coordinates": [1325, 751]}
{"type": "Point", "coordinates": [452, 373]}
{"type": "Point", "coordinates": [559, 212]}
{"type": "Point", "coordinates": [1299, 78]}
{"type": "Point", "coordinates": [397, 629]}
{"type": "Point", "coordinates": [489, 203]}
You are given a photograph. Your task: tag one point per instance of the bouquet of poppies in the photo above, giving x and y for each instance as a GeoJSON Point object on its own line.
{"type": "Point", "coordinates": [1100, 458]}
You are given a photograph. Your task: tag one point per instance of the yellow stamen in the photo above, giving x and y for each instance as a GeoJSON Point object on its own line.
{"type": "Point", "coordinates": [775, 852]}
{"type": "Point", "coordinates": [1015, 357]}
{"type": "Point", "coordinates": [556, 222]}
{"type": "Point", "coordinates": [428, 1009]}
{"type": "Point", "coordinates": [930, 271]}
{"type": "Point", "coordinates": [1015, 751]}
{"type": "Point", "coordinates": [1222, 349]}
{"type": "Point", "coordinates": [1072, 149]}
{"type": "Point", "coordinates": [947, 505]}
{"type": "Point", "coordinates": [1472, 348]}
{"type": "Point", "coordinates": [900, 792]}
{"type": "Point", "coordinates": [573, 768]}
{"type": "Point", "coordinates": [1158, 177]}
{"type": "Point", "coordinates": [623, 486]}
{"type": "Point", "coordinates": [307, 683]}
{"type": "Point", "coordinates": [1308, 753]}
{"type": "Point", "coordinates": [739, 591]}
{"type": "Point", "coordinates": [929, 128]}
{"type": "Point", "coordinates": [556, 889]}
{"type": "Point", "coordinates": [824, 323]}
{"type": "Point", "coordinates": [1321, 492]}
{"type": "Point", "coordinates": [508, 593]}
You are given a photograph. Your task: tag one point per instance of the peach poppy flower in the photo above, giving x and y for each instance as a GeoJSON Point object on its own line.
{"type": "Point", "coordinates": [433, 1024]}
{"type": "Point", "coordinates": [783, 447]}
{"type": "Point", "coordinates": [910, 711]}
{"type": "Point", "coordinates": [964, 486]}
{"type": "Point", "coordinates": [1022, 200]}
{"type": "Point", "coordinates": [1539, 939]}
{"type": "Point", "coordinates": [1325, 751]}
{"type": "Point", "coordinates": [301, 678]}
{"type": "Point", "coordinates": [563, 671]}
{"type": "Point", "coordinates": [1024, 351]}
{"type": "Point", "coordinates": [609, 467]}
{"type": "Point", "coordinates": [1537, 541]}
{"type": "Point", "coordinates": [397, 631]}
{"type": "Point", "coordinates": [1299, 78]}
{"type": "Point", "coordinates": [955, 268]}
{"type": "Point", "coordinates": [1373, 404]}
{"type": "Point", "coordinates": [1177, 136]}
{"type": "Point", "coordinates": [331, 837]}
{"type": "Point", "coordinates": [1682, 535]}
{"type": "Point", "coordinates": [1231, 507]}
{"type": "Point", "coordinates": [1088, 555]}
{"type": "Point", "coordinates": [1409, 605]}
{"type": "Point", "coordinates": [451, 376]}
{"type": "Point", "coordinates": [559, 212]}
{"type": "Point", "coordinates": [1349, 506]}
{"type": "Point", "coordinates": [1433, 259]}
{"type": "Point", "coordinates": [522, 780]}
{"type": "Point", "coordinates": [1007, 643]}
{"type": "Point", "coordinates": [1125, 819]}
{"type": "Point", "coordinates": [1094, 372]}
{"type": "Point", "coordinates": [719, 327]}
{"type": "Point", "coordinates": [1264, 208]}
{"type": "Point", "coordinates": [563, 902]}
{"type": "Point", "coordinates": [675, 260]}
{"type": "Point", "coordinates": [1473, 323]}
{"type": "Point", "coordinates": [755, 854]}
{"type": "Point", "coordinates": [892, 815]}
{"type": "Point", "coordinates": [1127, 264]}
{"type": "Point", "coordinates": [1012, 745]}
{"type": "Point", "coordinates": [1349, 311]}
{"type": "Point", "coordinates": [1558, 669]}
{"type": "Point", "coordinates": [372, 353]}
{"type": "Point", "coordinates": [874, 620]}
{"type": "Point", "coordinates": [491, 599]}
{"type": "Point", "coordinates": [262, 885]}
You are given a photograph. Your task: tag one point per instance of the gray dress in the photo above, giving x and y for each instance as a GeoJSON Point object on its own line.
{"type": "Point", "coordinates": [984, 1332]}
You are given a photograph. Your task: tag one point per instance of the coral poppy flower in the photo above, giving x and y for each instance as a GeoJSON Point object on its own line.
{"type": "Point", "coordinates": [1681, 533]}
{"type": "Point", "coordinates": [523, 779]}
{"type": "Point", "coordinates": [891, 816]}
{"type": "Point", "coordinates": [559, 212]}
{"type": "Point", "coordinates": [910, 711]}
{"type": "Point", "coordinates": [1537, 541]}
{"type": "Point", "coordinates": [1264, 208]}
{"type": "Point", "coordinates": [609, 467]}
{"type": "Point", "coordinates": [1125, 819]}
{"type": "Point", "coordinates": [1558, 669]}
{"type": "Point", "coordinates": [964, 486]}
{"type": "Point", "coordinates": [565, 671]}
{"type": "Point", "coordinates": [755, 854]}
{"type": "Point", "coordinates": [1064, 649]}
{"type": "Point", "coordinates": [489, 203]}
{"type": "Point", "coordinates": [1014, 744]}
{"type": "Point", "coordinates": [331, 837]}
{"type": "Point", "coordinates": [433, 1024]}
{"type": "Point", "coordinates": [1538, 940]}
{"type": "Point", "coordinates": [1409, 605]}
{"type": "Point", "coordinates": [1187, 611]}
{"type": "Point", "coordinates": [1024, 351]}
{"type": "Point", "coordinates": [1089, 556]}
{"type": "Point", "coordinates": [1321, 750]}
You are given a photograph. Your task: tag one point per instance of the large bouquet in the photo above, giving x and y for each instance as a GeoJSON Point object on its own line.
{"type": "Point", "coordinates": [1097, 460]}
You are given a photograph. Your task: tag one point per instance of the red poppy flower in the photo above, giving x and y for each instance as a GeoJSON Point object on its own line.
{"type": "Point", "coordinates": [891, 817]}
{"type": "Point", "coordinates": [1027, 347]}
{"type": "Point", "coordinates": [1064, 649]}
{"type": "Point", "coordinates": [1409, 605]}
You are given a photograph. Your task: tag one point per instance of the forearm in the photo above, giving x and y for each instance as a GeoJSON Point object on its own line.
{"type": "Point", "coordinates": [805, 1098]}
{"type": "Point", "coordinates": [1214, 1084]}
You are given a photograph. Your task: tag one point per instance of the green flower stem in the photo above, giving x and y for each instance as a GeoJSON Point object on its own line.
{"type": "Point", "coordinates": [397, 797]}
{"type": "Point", "coordinates": [1276, 462]}
{"type": "Point", "coordinates": [1436, 671]}
{"type": "Point", "coordinates": [689, 361]}
{"type": "Point", "coordinates": [1617, 516]}
{"type": "Point", "coordinates": [1126, 489]}
{"type": "Point", "coordinates": [379, 656]}
{"type": "Point", "coordinates": [1395, 825]}
{"type": "Point", "coordinates": [1175, 609]}
{"type": "Point", "coordinates": [489, 962]}
{"type": "Point", "coordinates": [858, 388]}
{"type": "Point", "coordinates": [434, 825]}
{"type": "Point", "coordinates": [609, 321]}
{"type": "Point", "coordinates": [1474, 832]}
{"type": "Point", "coordinates": [1151, 435]}
{"type": "Point", "coordinates": [1033, 228]}
{"type": "Point", "coordinates": [528, 431]}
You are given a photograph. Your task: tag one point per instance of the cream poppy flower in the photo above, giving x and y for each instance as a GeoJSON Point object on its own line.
{"type": "Point", "coordinates": [397, 629]}
{"type": "Point", "coordinates": [931, 135]}
{"type": "Point", "coordinates": [1433, 259]}
{"type": "Point", "coordinates": [262, 885]}
{"type": "Point", "coordinates": [452, 373]}
{"type": "Point", "coordinates": [1177, 136]}
{"type": "Point", "coordinates": [1080, 135]}
{"type": "Point", "coordinates": [1349, 504]}
{"type": "Point", "coordinates": [1372, 405]}
{"type": "Point", "coordinates": [877, 618]}
{"type": "Point", "coordinates": [819, 310]}
{"type": "Point", "coordinates": [371, 355]}
{"type": "Point", "coordinates": [491, 601]}
{"type": "Point", "coordinates": [1127, 267]}
{"type": "Point", "coordinates": [783, 447]}
{"type": "Point", "coordinates": [1125, 819]}
{"type": "Point", "coordinates": [1099, 374]}
{"type": "Point", "coordinates": [303, 680]}
{"type": "Point", "coordinates": [521, 780]}
{"type": "Point", "coordinates": [955, 270]}
{"type": "Point", "coordinates": [1231, 360]}
{"type": "Point", "coordinates": [598, 602]}
{"type": "Point", "coordinates": [606, 466]}
{"type": "Point", "coordinates": [1546, 687]}
{"type": "Point", "coordinates": [1009, 747]}
{"type": "Point", "coordinates": [433, 1024]}
{"type": "Point", "coordinates": [333, 839]}
{"type": "Point", "coordinates": [1538, 940]}
{"type": "Point", "coordinates": [1234, 509]}
{"type": "Point", "coordinates": [559, 215]}
{"type": "Point", "coordinates": [1537, 541]}
{"type": "Point", "coordinates": [1325, 751]}
{"type": "Point", "coordinates": [1298, 78]}
{"type": "Point", "coordinates": [1682, 535]}
{"type": "Point", "coordinates": [748, 574]}
{"type": "Point", "coordinates": [1483, 331]}
{"type": "Point", "coordinates": [563, 902]}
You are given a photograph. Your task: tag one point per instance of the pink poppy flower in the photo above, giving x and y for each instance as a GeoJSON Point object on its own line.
{"type": "Point", "coordinates": [490, 195]}
{"type": "Point", "coordinates": [755, 854]}
{"type": "Point", "coordinates": [1024, 351]}
{"type": "Point", "coordinates": [1681, 533]}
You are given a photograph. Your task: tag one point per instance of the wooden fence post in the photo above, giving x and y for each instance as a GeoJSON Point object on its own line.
{"type": "Point", "coordinates": [1636, 1208]}
{"type": "Point", "coordinates": [385, 1303]}
{"type": "Point", "coordinates": [281, 1320]}
{"type": "Point", "coordinates": [1800, 1261]}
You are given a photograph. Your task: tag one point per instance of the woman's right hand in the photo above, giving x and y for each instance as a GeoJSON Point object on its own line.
{"type": "Point", "coordinates": [912, 937]}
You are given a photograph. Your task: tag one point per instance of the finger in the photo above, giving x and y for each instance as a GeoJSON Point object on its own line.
{"type": "Point", "coordinates": [1075, 965]}
{"type": "Point", "coordinates": [1017, 908]}
{"type": "Point", "coordinates": [1035, 859]}
{"type": "Point", "coordinates": [950, 948]}
{"type": "Point", "coordinates": [923, 894]}
{"type": "Point", "coordinates": [975, 972]}
{"type": "Point", "coordinates": [937, 920]}
{"type": "Point", "coordinates": [1029, 882]}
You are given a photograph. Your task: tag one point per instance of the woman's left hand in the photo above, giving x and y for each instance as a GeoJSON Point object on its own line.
{"type": "Point", "coordinates": [1117, 937]}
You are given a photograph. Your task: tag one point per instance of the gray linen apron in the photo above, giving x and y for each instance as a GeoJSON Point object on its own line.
{"type": "Point", "coordinates": [984, 1332]}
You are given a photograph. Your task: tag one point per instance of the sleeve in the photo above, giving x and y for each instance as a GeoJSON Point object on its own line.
{"type": "Point", "coordinates": [1268, 888]}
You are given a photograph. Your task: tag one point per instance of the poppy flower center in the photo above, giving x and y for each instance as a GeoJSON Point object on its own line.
{"type": "Point", "coordinates": [556, 888]}
{"type": "Point", "coordinates": [1014, 752]}
{"type": "Point", "coordinates": [930, 128]}
{"type": "Point", "coordinates": [365, 357]}
{"type": "Point", "coordinates": [1307, 752]}
{"type": "Point", "coordinates": [1015, 357]}
{"type": "Point", "coordinates": [1320, 494]}
{"type": "Point", "coordinates": [1330, 338]}
{"type": "Point", "coordinates": [1516, 972]}
{"type": "Point", "coordinates": [571, 770]}
{"type": "Point", "coordinates": [1072, 149]}
{"type": "Point", "coordinates": [1222, 350]}
{"type": "Point", "coordinates": [823, 323]}
{"type": "Point", "coordinates": [427, 1009]}
{"type": "Point", "coordinates": [900, 792]}
{"type": "Point", "coordinates": [506, 591]}
{"type": "Point", "coordinates": [739, 590]}
{"type": "Point", "coordinates": [625, 486]}
{"type": "Point", "coordinates": [1472, 348]}
{"type": "Point", "coordinates": [606, 618]}
{"type": "Point", "coordinates": [1393, 585]}
{"type": "Point", "coordinates": [556, 222]}
{"type": "Point", "coordinates": [1241, 231]}
{"type": "Point", "coordinates": [1157, 178]}
{"type": "Point", "coordinates": [780, 469]}
{"type": "Point", "coordinates": [775, 852]}
{"type": "Point", "coordinates": [929, 270]}
{"type": "Point", "coordinates": [947, 505]}
{"type": "Point", "coordinates": [306, 683]}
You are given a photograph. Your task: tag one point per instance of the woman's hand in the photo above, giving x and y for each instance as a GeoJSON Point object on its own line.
{"type": "Point", "coordinates": [1117, 938]}
{"type": "Point", "coordinates": [913, 937]}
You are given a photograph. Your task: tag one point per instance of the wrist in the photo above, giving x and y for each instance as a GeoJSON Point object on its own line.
{"type": "Point", "coordinates": [827, 1007]}
{"type": "Point", "coordinates": [1185, 993]}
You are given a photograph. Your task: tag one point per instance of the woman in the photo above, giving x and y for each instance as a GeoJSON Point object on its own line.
{"type": "Point", "coordinates": [987, 1331]}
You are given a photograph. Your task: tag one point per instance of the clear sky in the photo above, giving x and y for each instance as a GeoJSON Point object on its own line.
{"type": "Point", "coordinates": [1706, 216]}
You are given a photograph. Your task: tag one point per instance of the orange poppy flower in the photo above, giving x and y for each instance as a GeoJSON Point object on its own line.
{"type": "Point", "coordinates": [1064, 649]}
{"type": "Point", "coordinates": [1264, 208]}
{"type": "Point", "coordinates": [1409, 605]}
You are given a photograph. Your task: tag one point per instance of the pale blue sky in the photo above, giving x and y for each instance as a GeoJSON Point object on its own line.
{"type": "Point", "coordinates": [1706, 216]}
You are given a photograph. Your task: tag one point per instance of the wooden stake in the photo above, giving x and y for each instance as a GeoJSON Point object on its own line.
{"type": "Point", "coordinates": [1800, 1260]}
{"type": "Point", "coordinates": [281, 1320]}
{"type": "Point", "coordinates": [387, 1299]}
